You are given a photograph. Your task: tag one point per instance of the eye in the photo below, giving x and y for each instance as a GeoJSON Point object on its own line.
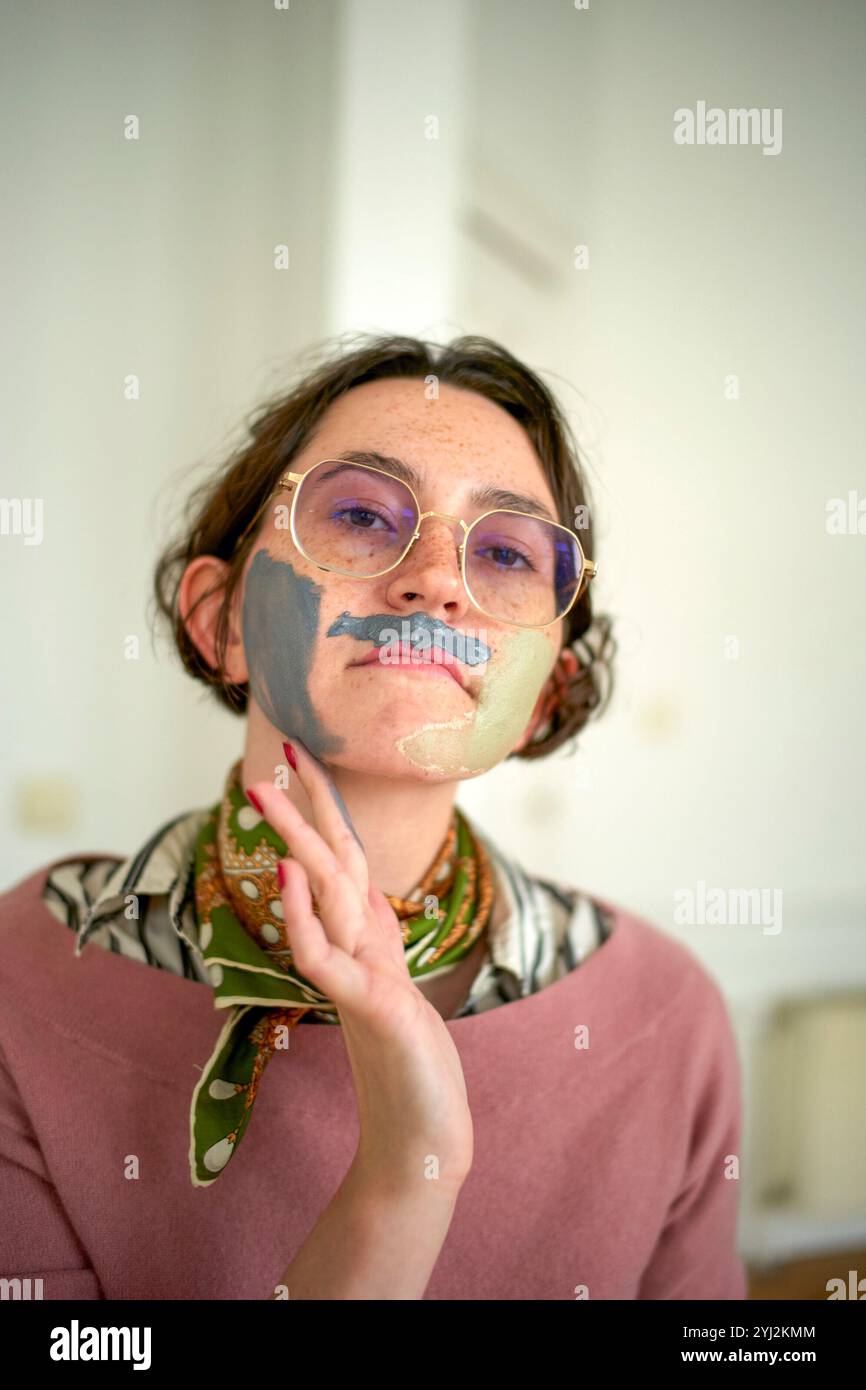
{"type": "Point", "coordinates": [363, 518]}
{"type": "Point", "coordinates": [505, 557]}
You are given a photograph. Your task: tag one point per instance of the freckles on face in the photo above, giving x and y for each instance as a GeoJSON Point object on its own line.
{"type": "Point", "coordinates": [281, 627]}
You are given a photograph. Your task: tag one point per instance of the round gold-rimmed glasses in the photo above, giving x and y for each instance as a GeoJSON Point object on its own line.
{"type": "Point", "coordinates": [359, 520]}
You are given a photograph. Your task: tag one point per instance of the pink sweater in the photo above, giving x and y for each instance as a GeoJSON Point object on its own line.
{"type": "Point", "coordinates": [599, 1171]}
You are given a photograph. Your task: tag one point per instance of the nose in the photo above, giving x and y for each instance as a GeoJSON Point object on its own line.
{"type": "Point", "coordinates": [429, 576]}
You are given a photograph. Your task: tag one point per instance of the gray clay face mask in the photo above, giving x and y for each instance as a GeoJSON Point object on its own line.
{"type": "Point", "coordinates": [281, 621]}
{"type": "Point", "coordinates": [423, 633]}
{"type": "Point", "coordinates": [281, 626]}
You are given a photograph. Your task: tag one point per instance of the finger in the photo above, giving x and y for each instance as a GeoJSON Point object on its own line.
{"type": "Point", "coordinates": [342, 911]}
{"type": "Point", "coordinates": [332, 815]}
{"type": "Point", "coordinates": [302, 839]}
{"type": "Point", "coordinates": [322, 962]}
{"type": "Point", "coordinates": [339, 901]}
{"type": "Point", "coordinates": [389, 922]}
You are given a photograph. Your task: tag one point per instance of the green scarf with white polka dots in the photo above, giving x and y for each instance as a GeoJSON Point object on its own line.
{"type": "Point", "coordinates": [243, 940]}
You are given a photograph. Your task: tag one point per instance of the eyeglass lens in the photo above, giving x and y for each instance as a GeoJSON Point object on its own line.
{"type": "Point", "coordinates": [518, 568]}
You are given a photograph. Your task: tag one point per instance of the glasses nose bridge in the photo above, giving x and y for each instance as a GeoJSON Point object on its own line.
{"type": "Point", "coordinates": [444, 516]}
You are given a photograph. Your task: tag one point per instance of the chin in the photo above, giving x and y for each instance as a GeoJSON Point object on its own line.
{"type": "Point", "coordinates": [384, 760]}
{"type": "Point", "coordinates": [372, 730]}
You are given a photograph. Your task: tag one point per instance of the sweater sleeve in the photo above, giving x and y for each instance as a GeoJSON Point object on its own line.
{"type": "Point", "coordinates": [37, 1240]}
{"type": "Point", "coordinates": [696, 1254]}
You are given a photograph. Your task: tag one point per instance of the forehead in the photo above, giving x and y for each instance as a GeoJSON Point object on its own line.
{"type": "Point", "coordinates": [459, 428]}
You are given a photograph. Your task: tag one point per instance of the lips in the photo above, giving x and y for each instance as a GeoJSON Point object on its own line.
{"type": "Point", "coordinates": [411, 657]}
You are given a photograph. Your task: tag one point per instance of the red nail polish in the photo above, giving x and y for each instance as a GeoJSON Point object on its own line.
{"type": "Point", "coordinates": [281, 874]}
{"type": "Point", "coordinates": [254, 801]}
{"type": "Point", "coordinates": [290, 755]}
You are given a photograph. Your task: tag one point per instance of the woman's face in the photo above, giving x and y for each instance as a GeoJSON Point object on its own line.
{"type": "Point", "coordinates": [307, 631]}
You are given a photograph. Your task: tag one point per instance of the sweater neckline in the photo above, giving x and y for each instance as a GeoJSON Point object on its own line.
{"type": "Point", "coordinates": [148, 1019]}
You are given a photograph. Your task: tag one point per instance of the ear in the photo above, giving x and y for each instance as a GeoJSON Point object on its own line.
{"type": "Point", "coordinates": [200, 610]}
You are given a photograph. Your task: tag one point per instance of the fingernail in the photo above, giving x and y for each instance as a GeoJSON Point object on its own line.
{"type": "Point", "coordinates": [254, 801]}
{"type": "Point", "coordinates": [281, 873]}
{"type": "Point", "coordinates": [290, 754]}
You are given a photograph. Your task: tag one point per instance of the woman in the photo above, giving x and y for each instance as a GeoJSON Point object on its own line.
{"type": "Point", "coordinates": [431, 1074]}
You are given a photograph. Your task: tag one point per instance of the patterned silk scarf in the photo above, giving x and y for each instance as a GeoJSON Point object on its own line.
{"type": "Point", "coordinates": [244, 942]}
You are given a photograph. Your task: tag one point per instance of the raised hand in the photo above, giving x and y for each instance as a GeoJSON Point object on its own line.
{"type": "Point", "coordinates": [409, 1083]}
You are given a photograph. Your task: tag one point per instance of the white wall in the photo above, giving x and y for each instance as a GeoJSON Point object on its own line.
{"type": "Point", "coordinates": [704, 261]}
{"type": "Point", "coordinates": [152, 257]}
{"type": "Point", "coordinates": [404, 75]}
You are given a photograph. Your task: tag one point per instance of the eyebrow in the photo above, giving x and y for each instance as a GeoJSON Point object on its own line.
{"type": "Point", "coordinates": [484, 497]}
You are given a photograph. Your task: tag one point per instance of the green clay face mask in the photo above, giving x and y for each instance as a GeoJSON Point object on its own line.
{"type": "Point", "coordinates": [485, 735]}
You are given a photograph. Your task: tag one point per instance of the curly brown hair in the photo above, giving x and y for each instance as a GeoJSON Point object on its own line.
{"type": "Point", "coordinates": [221, 513]}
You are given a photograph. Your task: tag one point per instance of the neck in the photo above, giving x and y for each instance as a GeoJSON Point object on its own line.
{"type": "Point", "coordinates": [401, 824]}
